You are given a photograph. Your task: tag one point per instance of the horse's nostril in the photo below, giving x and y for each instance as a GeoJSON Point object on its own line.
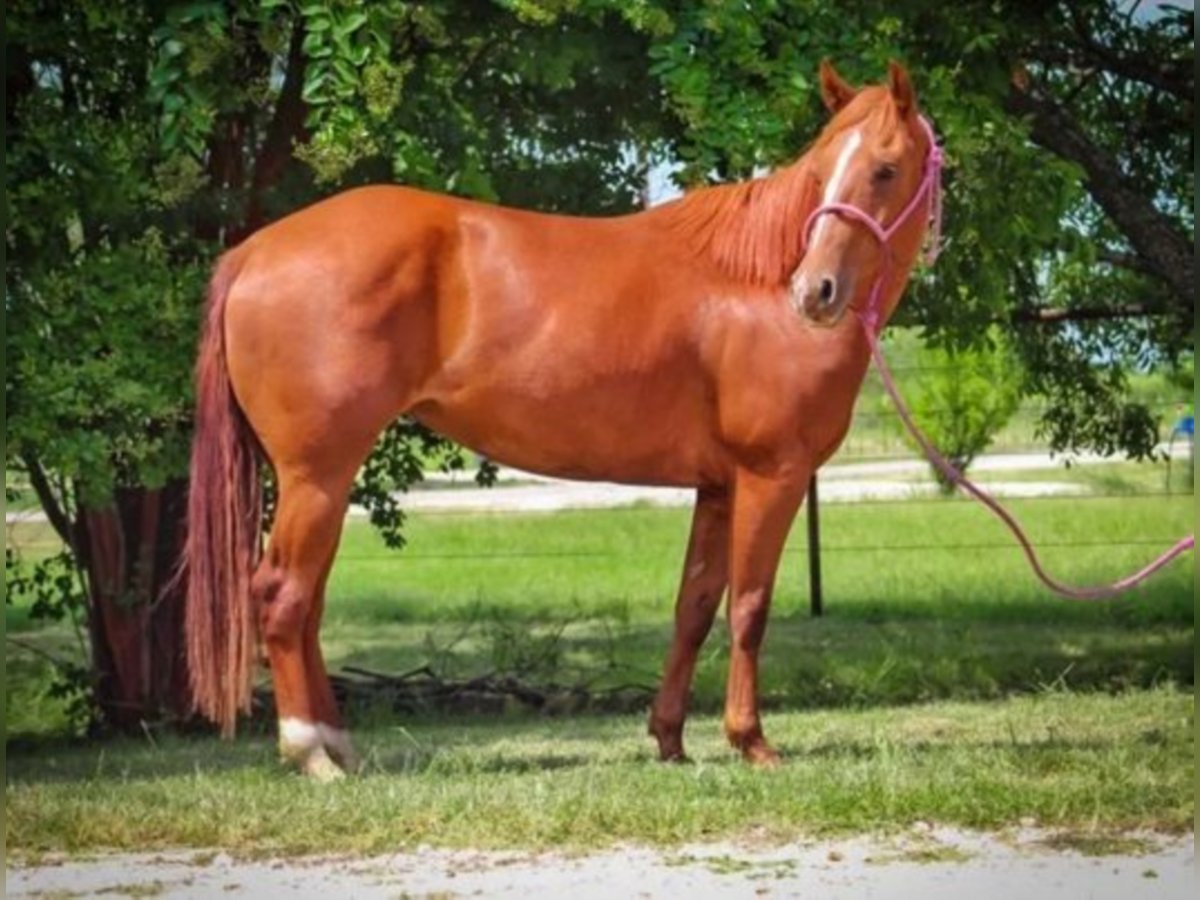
{"type": "Point", "coordinates": [827, 289]}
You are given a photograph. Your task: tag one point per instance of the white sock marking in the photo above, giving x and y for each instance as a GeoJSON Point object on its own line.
{"type": "Point", "coordinates": [298, 735]}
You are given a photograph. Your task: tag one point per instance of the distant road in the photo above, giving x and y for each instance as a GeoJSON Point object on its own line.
{"type": "Point", "coordinates": [893, 479]}
{"type": "Point", "coordinates": [517, 491]}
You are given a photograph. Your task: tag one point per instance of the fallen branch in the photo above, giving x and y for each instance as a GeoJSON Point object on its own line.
{"type": "Point", "coordinates": [422, 690]}
{"type": "Point", "coordinates": [38, 651]}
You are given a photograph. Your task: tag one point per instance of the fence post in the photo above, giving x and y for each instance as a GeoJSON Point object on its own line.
{"type": "Point", "coordinates": [814, 549]}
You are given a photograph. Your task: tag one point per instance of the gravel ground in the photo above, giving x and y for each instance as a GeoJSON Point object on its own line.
{"type": "Point", "coordinates": [929, 864]}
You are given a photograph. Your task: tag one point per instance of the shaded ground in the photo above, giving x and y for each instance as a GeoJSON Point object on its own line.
{"type": "Point", "coordinates": [926, 863]}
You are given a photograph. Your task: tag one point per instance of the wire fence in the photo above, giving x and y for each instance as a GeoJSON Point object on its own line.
{"type": "Point", "coordinates": [1077, 504]}
{"type": "Point", "coordinates": [1068, 503]}
{"type": "Point", "coordinates": [876, 433]}
{"type": "Point", "coordinates": [921, 547]}
{"type": "Point", "coordinates": [639, 507]}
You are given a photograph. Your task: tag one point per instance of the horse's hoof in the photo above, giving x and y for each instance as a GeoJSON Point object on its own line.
{"type": "Point", "coordinates": [340, 750]}
{"type": "Point", "coordinates": [762, 756]}
{"type": "Point", "coordinates": [321, 769]}
{"type": "Point", "coordinates": [669, 738]}
{"type": "Point", "coordinates": [674, 757]}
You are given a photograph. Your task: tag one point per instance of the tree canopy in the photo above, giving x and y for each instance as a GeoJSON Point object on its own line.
{"type": "Point", "coordinates": [143, 138]}
{"type": "Point", "coordinates": [1068, 129]}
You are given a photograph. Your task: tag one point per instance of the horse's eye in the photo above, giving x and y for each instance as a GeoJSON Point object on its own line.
{"type": "Point", "coordinates": [886, 172]}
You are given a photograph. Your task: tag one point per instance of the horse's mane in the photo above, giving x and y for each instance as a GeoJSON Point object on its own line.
{"type": "Point", "coordinates": [753, 229]}
{"type": "Point", "coordinates": [750, 229]}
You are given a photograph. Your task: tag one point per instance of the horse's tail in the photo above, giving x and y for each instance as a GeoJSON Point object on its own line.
{"type": "Point", "coordinates": [223, 530]}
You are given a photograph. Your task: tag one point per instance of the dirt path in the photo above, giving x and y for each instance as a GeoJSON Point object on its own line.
{"type": "Point", "coordinates": [929, 865]}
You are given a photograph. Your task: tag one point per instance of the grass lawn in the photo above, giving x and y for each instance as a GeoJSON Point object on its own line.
{"type": "Point", "coordinates": [1087, 764]}
{"type": "Point", "coordinates": [942, 684]}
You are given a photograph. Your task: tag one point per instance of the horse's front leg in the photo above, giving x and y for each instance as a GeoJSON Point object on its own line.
{"type": "Point", "coordinates": [763, 510]}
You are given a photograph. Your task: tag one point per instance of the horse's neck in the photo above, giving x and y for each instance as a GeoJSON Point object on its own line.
{"type": "Point", "coordinates": [750, 230]}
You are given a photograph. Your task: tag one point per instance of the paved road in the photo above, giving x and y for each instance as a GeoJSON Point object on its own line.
{"type": "Point", "coordinates": [914, 867]}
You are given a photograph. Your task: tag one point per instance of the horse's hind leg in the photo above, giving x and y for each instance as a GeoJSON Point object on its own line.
{"type": "Point", "coordinates": [289, 587]}
{"type": "Point", "coordinates": [329, 721]}
{"type": "Point", "coordinates": [705, 576]}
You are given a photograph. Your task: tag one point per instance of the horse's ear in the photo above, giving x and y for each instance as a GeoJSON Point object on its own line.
{"type": "Point", "coordinates": [901, 87]}
{"type": "Point", "coordinates": [834, 90]}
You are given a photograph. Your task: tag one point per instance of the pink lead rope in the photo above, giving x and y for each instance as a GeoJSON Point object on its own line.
{"type": "Point", "coordinates": [931, 185]}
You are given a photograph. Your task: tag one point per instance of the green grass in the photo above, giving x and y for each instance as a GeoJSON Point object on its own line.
{"type": "Point", "coordinates": [943, 684]}
{"type": "Point", "coordinates": [919, 621]}
{"type": "Point", "coordinates": [1085, 764]}
{"type": "Point", "coordinates": [1133, 479]}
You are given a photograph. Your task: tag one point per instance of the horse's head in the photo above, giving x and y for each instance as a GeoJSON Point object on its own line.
{"type": "Point", "coordinates": [869, 162]}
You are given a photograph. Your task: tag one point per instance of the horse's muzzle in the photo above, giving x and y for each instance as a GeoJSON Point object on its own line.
{"type": "Point", "coordinates": [821, 298]}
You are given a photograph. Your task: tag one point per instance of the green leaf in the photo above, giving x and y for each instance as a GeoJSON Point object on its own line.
{"type": "Point", "coordinates": [313, 91]}
{"type": "Point", "coordinates": [351, 23]}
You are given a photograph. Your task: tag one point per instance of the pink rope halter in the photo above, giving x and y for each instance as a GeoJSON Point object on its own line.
{"type": "Point", "coordinates": [930, 187]}
{"type": "Point", "coordinates": [871, 319]}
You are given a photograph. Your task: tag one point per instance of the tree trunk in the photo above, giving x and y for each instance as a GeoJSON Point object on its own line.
{"type": "Point", "coordinates": [135, 611]}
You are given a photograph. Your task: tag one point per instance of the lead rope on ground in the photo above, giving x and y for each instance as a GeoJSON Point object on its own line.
{"type": "Point", "coordinates": [955, 476]}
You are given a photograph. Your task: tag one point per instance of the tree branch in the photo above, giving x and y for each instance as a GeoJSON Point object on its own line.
{"type": "Point", "coordinates": [50, 503]}
{"type": "Point", "coordinates": [18, 84]}
{"type": "Point", "coordinates": [474, 61]}
{"type": "Point", "coordinates": [286, 124]}
{"type": "Point", "coordinates": [37, 651]}
{"type": "Point", "coordinates": [1129, 261]}
{"type": "Point", "coordinates": [1170, 75]}
{"type": "Point", "coordinates": [1155, 238]}
{"type": "Point", "coordinates": [1052, 315]}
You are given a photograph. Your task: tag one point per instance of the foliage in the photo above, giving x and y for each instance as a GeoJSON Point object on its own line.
{"type": "Point", "coordinates": [405, 452]}
{"type": "Point", "coordinates": [961, 398]}
{"type": "Point", "coordinates": [50, 589]}
{"type": "Point", "coordinates": [142, 139]}
{"type": "Point", "coordinates": [96, 390]}
{"type": "Point", "coordinates": [1068, 131]}
{"type": "Point", "coordinates": [1183, 375]}
{"type": "Point", "coordinates": [145, 138]}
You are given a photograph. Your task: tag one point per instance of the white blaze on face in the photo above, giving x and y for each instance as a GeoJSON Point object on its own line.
{"type": "Point", "coordinates": [833, 188]}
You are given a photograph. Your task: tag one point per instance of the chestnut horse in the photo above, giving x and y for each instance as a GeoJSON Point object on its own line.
{"type": "Point", "coordinates": [699, 343]}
